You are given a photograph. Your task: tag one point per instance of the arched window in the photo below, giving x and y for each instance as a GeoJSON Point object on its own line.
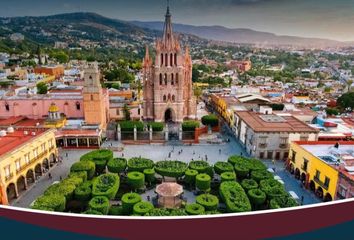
{"type": "Point", "coordinates": [173, 98]}
{"type": "Point", "coordinates": [177, 78]}
{"type": "Point", "coordinates": [171, 59]}
{"type": "Point", "coordinates": [164, 98]}
{"type": "Point", "coordinates": [161, 59]}
{"type": "Point", "coordinates": [78, 106]}
{"type": "Point", "coordinates": [172, 79]}
{"type": "Point", "coordinates": [165, 78]}
{"type": "Point", "coordinates": [175, 59]}
{"type": "Point", "coordinates": [166, 59]}
{"type": "Point", "coordinates": [169, 97]}
{"type": "Point", "coordinates": [160, 78]}
{"type": "Point", "coordinates": [7, 107]}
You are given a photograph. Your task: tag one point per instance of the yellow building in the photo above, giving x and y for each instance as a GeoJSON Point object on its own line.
{"type": "Point", "coordinates": [317, 165]}
{"type": "Point", "coordinates": [55, 118]}
{"type": "Point", "coordinates": [25, 155]}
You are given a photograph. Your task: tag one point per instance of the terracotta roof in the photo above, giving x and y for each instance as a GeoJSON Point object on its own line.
{"type": "Point", "coordinates": [281, 124]}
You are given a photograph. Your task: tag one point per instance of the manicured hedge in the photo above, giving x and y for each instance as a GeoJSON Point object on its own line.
{"type": "Point", "coordinates": [210, 120]}
{"type": "Point", "coordinates": [86, 166]}
{"type": "Point", "coordinates": [83, 192]}
{"type": "Point", "coordinates": [241, 171]}
{"type": "Point", "coordinates": [99, 204]}
{"type": "Point", "coordinates": [208, 201]}
{"type": "Point", "coordinates": [128, 126]}
{"type": "Point", "coordinates": [149, 175]}
{"type": "Point", "coordinates": [272, 188]}
{"type": "Point", "coordinates": [106, 185]}
{"type": "Point", "coordinates": [166, 212]}
{"type": "Point", "coordinates": [174, 169]}
{"type": "Point", "coordinates": [141, 208]}
{"type": "Point", "coordinates": [202, 181]}
{"type": "Point", "coordinates": [200, 166]}
{"type": "Point", "coordinates": [256, 196]}
{"type": "Point", "coordinates": [92, 212]}
{"type": "Point", "coordinates": [243, 165]}
{"type": "Point", "coordinates": [156, 126]}
{"type": "Point", "coordinates": [221, 167]}
{"type": "Point", "coordinates": [282, 202]}
{"type": "Point", "coordinates": [195, 209]}
{"type": "Point", "coordinates": [53, 202]}
{"type": "Point", "coordinates": [139, 164]}
{"type": "Point", "coordinates": [128, 202]}
{"type": "Point", "coordinates": [249, 184]}
{"type": "Point", "coordinates": [234, 196]}
{"type": "Point", "coordinates": [259, 175]}
{"type": "Point", "coordinates": [115, 210]}
{"type": "Point", "coordinates": [80, 174]}
{"type": "Point", "coordinates": [99, 157]}
{"type": "Point", "coordinates": [228, 176]}
{"type": "Point", "coordinates": [190, 126]}
{"type": "Point", "coordinates": [73, 179]}
{"type": "Point", "coordinates": [190, 175]}
{"type": "Point", "coordinates": [136, 180]}
{"type": "Point", "coordinates": [64, 189]}
{"type": "Point", "coordinates": [117, 165]}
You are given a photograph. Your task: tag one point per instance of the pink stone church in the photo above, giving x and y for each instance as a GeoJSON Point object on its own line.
{"type": "Point", "coordinates": [168, 92]}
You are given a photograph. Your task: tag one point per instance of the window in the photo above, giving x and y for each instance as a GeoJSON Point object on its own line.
{"type": "Point", "coordinates": [169, 97]}
{"type": "Point", "coordinates": [176, 78]}
{"type": "Point", "coordinates": [43, 147]}
{"type": "Point", "coordinates": [173, 98]}
{"type": "Point", "coordinates": [270, 155]}
{"type": "Point", "coordinates": [160, 78]}
{"type": "Point", "coordinates": [27, 158]}
{"type": "Point", "coordinates": [35, 152]}
{"type": "Point", "coordinates": [261, 155]}
{"type": "Point", "coordinates": [318, 173]}
{"type": "Point", "coordinates": [172, 79]}
{"type": "Point", "coordinates": [118, 111]}
{"type": "Point", "coordinates": [18, 164]}
{"type": "Point", "coordinates": [7, 107]}
{"type": "Point", "coordinates": [303, 138]}
{"type": "Point", "coordinates": [171, 59]}
{"type": "Point", "coordinates": [7, 171]}
{"type": "Point", "coordinates": [175, 59]}
{"type": "Point", "coordinates": [78, 107]}
{"type": "Point", "coordinates": [50, 143]}
{"type": "Point", "coordinates": [139, 111]}
{"type": "Point", "coordinates": [165, 78]}
{"type": "Point", "coordinates": [91, 97]}
{"type": "Point", "coordinates": [164, 98]}
{"type": "Point", "coordinates": [161, 59]}
{"type": "Point", "coordinates": [166, 60]}
{"type": "Point", "coordinates": [293, 156]}
{"type": "Point", "coordinates": [304, 166]}
{"type": "Point", "coordinates": [326, 182]}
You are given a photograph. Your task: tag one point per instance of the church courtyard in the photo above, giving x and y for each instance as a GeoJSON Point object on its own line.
{"type": "Point", "coordinates": [209, 152]}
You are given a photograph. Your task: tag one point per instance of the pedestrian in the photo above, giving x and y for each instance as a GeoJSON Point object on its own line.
{"type": "Point", "coordinates": [206, 157]}
{"type": "Point", "coordinates": [111, 144]}
{"type": "Point", "coordinates": [122, 154]}
{"type": "Point", "coordinates": [50, 176]}
{"type": "Point", "coordinates": [66, 154]}
{"type": "Point", "coordinates": [193, 152]}
{"type": "Point", "coordinates": [219, 151]}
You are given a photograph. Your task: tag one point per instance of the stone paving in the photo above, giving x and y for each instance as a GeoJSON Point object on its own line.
{"type": "Point", "coordinates": [214, 153]}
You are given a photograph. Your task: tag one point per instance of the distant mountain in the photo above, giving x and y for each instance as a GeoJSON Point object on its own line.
{"type": "Point", "coordinates": [241, 35]}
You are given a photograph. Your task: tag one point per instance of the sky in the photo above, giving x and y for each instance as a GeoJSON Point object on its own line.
{"type": "Point", "coordinates": [332, 19]}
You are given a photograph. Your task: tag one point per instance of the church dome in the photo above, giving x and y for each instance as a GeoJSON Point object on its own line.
{"type": "Point", "coordinates": [53, 108]}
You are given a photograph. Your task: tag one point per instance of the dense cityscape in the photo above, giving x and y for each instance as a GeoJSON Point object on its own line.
{"type": "Point", "coordinates": [107, 117]}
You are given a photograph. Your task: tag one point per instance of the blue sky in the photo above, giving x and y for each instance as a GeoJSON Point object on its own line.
{"type": "Point", "coordinates": [333, 19]}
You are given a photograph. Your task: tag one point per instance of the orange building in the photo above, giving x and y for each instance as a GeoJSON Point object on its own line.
{"type": "Point", "coordinates": [242, 66]}
{"type": "Point", "coordinates": [56, 71]}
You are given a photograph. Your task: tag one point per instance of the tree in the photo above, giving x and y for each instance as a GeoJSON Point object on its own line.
{"type": "Point", "coordinates": [115, 85]}
{"type": "Point", "coordinates": [42, 88]}
{"type": "Point", "coordinates": [346, 101]}
{"type": "Point", "coordinates": [61, 57]}
{"type": "Point", "coordinates": [332, 111]}
{"type": "Point", "coordinates": [126, 112]}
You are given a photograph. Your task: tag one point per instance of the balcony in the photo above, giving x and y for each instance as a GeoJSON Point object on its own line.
{"type": "Point", "coordinates": [9, 177]}
{"type": "Point", "coordinates": [262, 145]}
{"type": "Point", "coordinates": [304, 167]}
{"type": "Point", "coordinates": [319, 182]}
{"type": "Point", "coordinates": [283, 145]}
{"type": "Point", "coordinates": [33, 160]}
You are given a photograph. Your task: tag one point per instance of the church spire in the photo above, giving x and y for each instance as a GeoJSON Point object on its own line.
{"type": "Point", "coordinates": [167, 31]}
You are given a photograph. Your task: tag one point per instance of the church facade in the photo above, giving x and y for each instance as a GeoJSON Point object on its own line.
{"type": "Point", "coordinates": [167, 80]}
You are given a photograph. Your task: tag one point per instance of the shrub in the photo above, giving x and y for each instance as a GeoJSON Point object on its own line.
{"type": "Point", "coordinates": [128, 126]}
{"type": "Point", "coordinates": [158, 212]}
{"type": "Point", "coordinates": [234, 197]}
{"type": "Point", "coordinates": [80, 174]}
{"type": "Point", "coordinates": [178, 212]}
{"type": "Point", "coordinates": [272, 188]}
{"type": "Point", "coordinates": [210, 120]}
{"type": "Point", "coordinates": [139, 164]}
{"type": "Point", "coordinates": [256, 196]}
{"type": "Point", "coordinates": [200, 166]}
{"type": "Point", "coordinates": [73, 179]}
{"type": "Point", "coordinates": [83, 192]}
{"type": "Point", "coordinates": [99, 157]}
{"type": "Point", "coordinates": [259, 175]}
{"type": "Point", "coordinates": [54, 202]}
{"type": "Point", "coordinates": [282, 202]}
{"type": "Point", "coordinates": [86, 166]}
{"type": "Point", "coordinates": [174, 169]}
{"type": "Point", "coordinates": [208, 201]}
{"type": "Point", "coordinates": [64, 189]}
{"type": "Point", "coordinates": [202, 182]}
{"type": "Point", "coordinates": [243, 165]}
{"type": "Point", "coordinates": [228, 176]}
{"type": "Point", "coordinates": [190, 126]}
{"type": "Point", "coordinates": [195, 209]}
{"type": "Point", "coordinates": [221, 167]}
{"type": "Point", "coordinates": [190, 175]}
{"type": "Point", "coordinates": [141, 208]}
{"type": "Point", "coordinates": [156, 126]}
{"type": "Point", "coordinates": [117, 165]}
{"type": "Point", "coordinates": [128, 202]}
{"type": "Point", "coordinates": [249, 184]}
{"type": "Point", "coordinates": [115, 210]}
{"type": "Point", "coordinates": [99, 204]}
{"type": "Point", "coordinates": [92, 212]}
{"type": "Point", "coordinates": [149, 175]}
{"type": "Point", "coordinates": [106, 185]}
{"type": "Point", "coordinates": [241, 171]}
{"type": "Point", "coordinates": [136, 180]}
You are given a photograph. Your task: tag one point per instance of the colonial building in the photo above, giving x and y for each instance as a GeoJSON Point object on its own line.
{"type": "Point", "coordinates": [168, 93]}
